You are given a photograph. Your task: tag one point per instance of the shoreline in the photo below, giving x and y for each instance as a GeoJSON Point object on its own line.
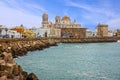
{"type": "Point", "coordinates": [14, 48]}
{"type": "Point", "coordinates": [9, 50]}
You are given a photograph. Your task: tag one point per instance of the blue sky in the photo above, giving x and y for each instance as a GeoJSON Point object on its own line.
{"type": "Point", "coordinates": [88, 13]}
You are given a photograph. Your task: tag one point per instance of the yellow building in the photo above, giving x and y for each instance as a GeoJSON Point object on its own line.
{"type": "Point", "coordinates": [29, 34]}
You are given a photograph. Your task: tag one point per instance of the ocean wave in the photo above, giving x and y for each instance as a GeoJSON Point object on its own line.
{"type": "Point", "coordinates": [77, 46]}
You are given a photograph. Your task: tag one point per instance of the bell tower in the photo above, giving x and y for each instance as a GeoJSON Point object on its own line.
{"type": "Point", "coordinates": [45, 20]}
{"type": "Point", "coordinates": [57, 20]}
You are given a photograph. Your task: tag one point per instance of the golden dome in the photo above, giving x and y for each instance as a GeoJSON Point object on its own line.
{"type": "Point", "coordinates": [66, 18]}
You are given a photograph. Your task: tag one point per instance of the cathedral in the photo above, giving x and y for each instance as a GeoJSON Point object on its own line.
{"type": "Point", "coordinates": [64, 22]}
{"type": "Point", "coordinates": [63, 27]}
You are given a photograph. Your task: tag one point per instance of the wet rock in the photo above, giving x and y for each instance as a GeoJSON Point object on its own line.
{"type": "Point", "coordinates": [10, 76]}
{"type": "Point", "coordinates": [2, 62]}
{"type": "Point", "coordinates": [3, 78]}
{"type": "Point", "coordinates": [25, 75]}
{"type": "Point", "coordinates": [32, 76]}
{"type": "Point", "coordinates": [17, 70]}
{"type": "Point", "coordinates": [9, 70]}
{"type": "Point", "coordinates": [3, 73]}
{"type": "Point", "coordinates": [6, 68]}
{"type": "Point", "coordinates": [7, 57]}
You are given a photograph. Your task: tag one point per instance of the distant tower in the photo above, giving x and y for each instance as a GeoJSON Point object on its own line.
{"type": "Point", "coordinates": [45, 20]}
{"type": "Point", "coordinates": [57, 19]}
{"type": "Point", "coordinates": [102, 30]}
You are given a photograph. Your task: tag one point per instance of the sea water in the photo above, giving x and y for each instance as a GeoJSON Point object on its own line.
{"type": "Point", "coordinates": [74, 61]}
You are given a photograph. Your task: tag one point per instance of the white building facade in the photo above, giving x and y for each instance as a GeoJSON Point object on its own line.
{"type": "Point", "coordinates": [13, 34]}
{"type": "Point", "coordinates": [7, 33]}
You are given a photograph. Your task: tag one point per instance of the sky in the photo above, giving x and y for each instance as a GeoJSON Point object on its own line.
{"type": "Point", "coordinates": [88, 13]}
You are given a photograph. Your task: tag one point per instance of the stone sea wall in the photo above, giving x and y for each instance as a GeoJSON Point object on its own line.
{"type": "Point", "coordinates": [87, 40]}
{"type": "Point", "coordinates": [12, 48]}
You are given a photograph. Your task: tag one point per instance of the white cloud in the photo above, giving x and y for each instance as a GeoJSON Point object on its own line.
{"type": "Point", "coordinates": [65, 12]}
{"type": "Point", "coordinates": [24, 6]}
{"type": "Point", "coordinates": [90, 8]}
{"type": "Point", "coordinates": [114, 23]}
{"type": "Point", "coordinates": [11, 16]}
{"type": "Point", "coordinates": [34, 6]}
{"type": "Point", "coordinates": [96, 14]}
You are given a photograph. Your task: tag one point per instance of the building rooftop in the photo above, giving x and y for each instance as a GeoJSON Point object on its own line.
{"type": "Point", "coordinates": [66, 18]}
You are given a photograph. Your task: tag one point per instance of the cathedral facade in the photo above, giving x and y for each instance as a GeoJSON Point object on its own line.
{"type": "Point", "coordinates": [64, 22]}
{"type": "Point", "coordinates": [63, 26]}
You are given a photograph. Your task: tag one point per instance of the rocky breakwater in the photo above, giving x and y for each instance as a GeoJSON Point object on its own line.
{"type": "Point", "coordinates": [9, 49]}
{"type": "Point", "coordinates": [21, 47]}
{"type": "Point", "coordinates": [9, 70]}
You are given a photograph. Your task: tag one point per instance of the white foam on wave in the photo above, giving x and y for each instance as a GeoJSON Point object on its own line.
{"type": "Point", "coordinates": [89, 74]}
{"type": "Point", "coordinates": [43, 65]}
{"type": "Point", "coordinates": [105, 78]}
{"type": "Point", "coordinates": [78, 73]}
{"type": "Point", "coordinates": [77, 46]}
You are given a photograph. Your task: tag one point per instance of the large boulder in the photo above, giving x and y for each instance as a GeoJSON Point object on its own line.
{"type": "Point", "coordinates": [32, 76]}
{"type": "Point", "coordinates": [7, 57]}
{"type": "Point", "coordinates": [9, 70]}
{"type": "Point", "coordinates": [3, 78]}
{"type": "Point", "coordinates": [25, 75]}
{"type": "Point", "coordinates": [52, 42]}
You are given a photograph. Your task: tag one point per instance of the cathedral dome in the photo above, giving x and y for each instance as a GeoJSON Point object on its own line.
{"type": "Point", "coordinates": [66, 18]}
{"type": "Point", "coordinates": [45, 17]}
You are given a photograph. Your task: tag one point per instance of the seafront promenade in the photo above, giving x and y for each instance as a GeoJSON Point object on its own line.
{"type": "Point", "coordinates": [12, 48]}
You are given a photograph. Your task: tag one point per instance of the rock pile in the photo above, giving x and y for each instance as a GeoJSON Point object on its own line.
{"type": "Point", "coordinates": [21, 48]}
{"type": "Point", "coordinates": [9, 70]}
